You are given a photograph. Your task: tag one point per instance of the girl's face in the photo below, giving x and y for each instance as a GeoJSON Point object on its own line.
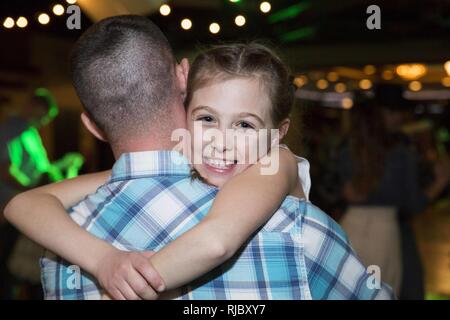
{"type": "Point", "coordinates": [238, 105]}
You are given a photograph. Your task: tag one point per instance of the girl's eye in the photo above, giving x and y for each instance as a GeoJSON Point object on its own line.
{"type": "Point", "coordinates": [206, 119]}
{"type": "Point", "coordinates": [245, 125]}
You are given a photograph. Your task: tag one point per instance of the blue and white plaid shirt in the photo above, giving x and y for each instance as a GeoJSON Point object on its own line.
{"type": "Point", "coordinates": [150, 200]}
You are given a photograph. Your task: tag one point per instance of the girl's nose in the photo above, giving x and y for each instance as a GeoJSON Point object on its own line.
{"type": "Point", "coordinates": [220, 143]}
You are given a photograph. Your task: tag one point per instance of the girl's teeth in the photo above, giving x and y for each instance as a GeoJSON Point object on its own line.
{"type": "Point", "coordinates": [219, 163]}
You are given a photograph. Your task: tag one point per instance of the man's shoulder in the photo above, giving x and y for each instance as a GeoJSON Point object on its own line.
{"type": "Point", "coordinates": [315, 217]}
{"type": "Point", "coordinates": [155, 194]}
{"type": "Point", "coordinates": [148, 186]}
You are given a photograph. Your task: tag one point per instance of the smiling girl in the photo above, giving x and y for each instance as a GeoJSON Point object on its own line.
{"type": "Point", "coordinates": [244, 88]}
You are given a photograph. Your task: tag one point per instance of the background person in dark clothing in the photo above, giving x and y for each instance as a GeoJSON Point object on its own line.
{"type": "Point", "coordinates": [379, 167]}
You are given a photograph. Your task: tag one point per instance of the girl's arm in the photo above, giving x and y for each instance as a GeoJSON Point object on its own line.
{"type": "Point", "coordinates": [41, 215]}
{"type": "Point", "coordinates": [240, 208]}
{"type": "Point", "coordinates": [244, 203]}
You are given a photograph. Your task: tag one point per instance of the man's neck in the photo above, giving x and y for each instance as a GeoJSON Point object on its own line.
{"type": "Point", "coordinates": [144, 144]}
{"type": "Point", "coordinates": [154, 141]}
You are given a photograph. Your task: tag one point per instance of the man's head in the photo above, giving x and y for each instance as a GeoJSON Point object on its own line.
{"type": "Point", "coordinates": [128, 81]}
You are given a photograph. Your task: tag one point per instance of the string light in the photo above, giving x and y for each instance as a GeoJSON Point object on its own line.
{"type": "Point", "coordinates": [347, 103]}
{"type": "Point", "coordinates": [415, 85]}
{"type": "Point", "coordinates": [43, 18]}
{"type": "Point", "coordinates": [22, 22]}
{"type": "Point", "coordinates": [447, 67]}
{"type": "Point", "coordinates": [411, 71]}
{"type": "Point", "coordinates": [58, 9]}
{"type": "Point", "coordinates": [369, 69]}
{"type": "Point", "coordinates": [165, 10]}
{"type": "Point", "coordinates": [333, 76]}
{"type": "Point", "coordinates": [387, 75]}
{"type": "Point", "coordinates": [71, 1]}
{"type": "Point", "coordinates": [8, 23]}
{"type": "Point", "coordinates": [186, 24]}
{"type": "Point", "coordinates": [322, 84]}
{"type": "Point", "coordinates": [365, 84]}
{"type": "Point", "coordinates": [446, 82]}
{"type": "Point", "coordinates": [304, 78]}
{"type": "Point", "coordinates": [240, 21]}
{"type": "Point", "coordinates": [340, 87]}
{"type": "Point", "coordinates": [299, 82]}
{"type": "Point", "coordinates": [214, 28]}
{"type": "Point", "coordinates": [265, 7]}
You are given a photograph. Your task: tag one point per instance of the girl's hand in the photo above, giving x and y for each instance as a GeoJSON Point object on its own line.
{"type": "Point", "coordinates": [129, 276]}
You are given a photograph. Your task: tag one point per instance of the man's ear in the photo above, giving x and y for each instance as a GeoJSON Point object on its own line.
{"type": "Point", "coordinates": [182, 72]}
{"type": "Point", "coordinates": [92, 127]}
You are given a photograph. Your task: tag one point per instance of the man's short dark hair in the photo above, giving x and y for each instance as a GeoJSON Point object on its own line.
{"type": "Point", "coordinates": [123, 71]}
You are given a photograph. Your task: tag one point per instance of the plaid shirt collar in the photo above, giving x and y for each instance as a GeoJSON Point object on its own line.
{"type": "Point", "coordinates": [150, 163]}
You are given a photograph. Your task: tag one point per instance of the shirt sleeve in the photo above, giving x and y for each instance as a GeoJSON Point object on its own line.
{"type": "Point", "coordinates": [303, 172]}
{"type": "Point", "coordinates": [334, 270]}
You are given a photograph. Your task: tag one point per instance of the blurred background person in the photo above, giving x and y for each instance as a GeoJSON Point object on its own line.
{"type": "Point", "coordinates": [25, 164]}
{"type": "Point", "coordinates": [16, 122]}
{"type": "Point", "coordinates": [380, 183]}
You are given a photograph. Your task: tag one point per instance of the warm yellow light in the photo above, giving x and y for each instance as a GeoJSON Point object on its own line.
{"type": "Point", "coordinates": [365, 84]}
{"type": "Point", "coordinates": [322, 84]}
{"type": "Point", "coordinates": [347, 103]}
{"type": "Point", "coordinates": [214, 27]}
{"type": "Point", "coordinates": [411, 71]}
{"type": "Point", "coordinates": [446, 82]}
{"type": "Point", "coordinates": [8, 23]}
{"type": "Point", "coordinates": [186, 24]}
{"type": "Point", "coordinates": [58, 10]}
{"type": "Point", "coordinates": [415, 86]}
{"type": "Point", "coordinates": [43, 18]}
{"type": "Point", "coordinates": [333, 76]}
{"type": "Point", "coordinates": [447, 67]}
{"type": "Point", "coordinates": [369, 69]}
{"type": "Point", "coordinates": [265, 6]}
{"type": "Point", "coordinates": [340, 87]}
{"type": "Point", "coordinates": [387, 75]}
{"type": "Point", "coordinates": [299, 82]}
{"type": "Point", "coordinates": [71, 1]}
{"type": "Point", "coordinates": [165, 10]}
{"type": "Point", "coordinates": [240, 21]}
{"type": "Point", "coordinates": [22, 22]}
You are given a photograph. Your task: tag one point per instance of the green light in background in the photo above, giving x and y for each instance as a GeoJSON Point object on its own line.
{"type": "Point", "coordinates": [442, 137]}
{"type": "Point", "coordinates": [298, 34]}
{"type": "Point", "coordinates": [28, 170]}
{"type": "Point", "coordinates": [52, 106]}
{"type": "Point", "coordinates": [28, 157]}
{"type": "Point", "coordinates": [432, 296]}
{"type": "Point", "coordinates": [290, 12]}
